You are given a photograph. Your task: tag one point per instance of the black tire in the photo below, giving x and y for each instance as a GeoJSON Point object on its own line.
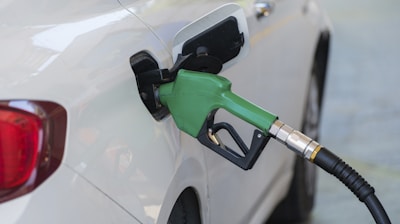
{"type": "Point", "coordinates": [298, 203]}
{"type": "Point", "coordinates": [186, 209]}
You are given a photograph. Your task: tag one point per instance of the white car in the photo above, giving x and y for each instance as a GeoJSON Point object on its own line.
{"type": "Point", "coordinates": [79, 145]}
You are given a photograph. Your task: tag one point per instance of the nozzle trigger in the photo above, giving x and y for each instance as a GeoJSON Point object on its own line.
{"type": "Point", "coordinates": [207, 137]}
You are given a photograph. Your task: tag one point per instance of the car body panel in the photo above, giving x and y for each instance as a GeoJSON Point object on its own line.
{"type": "Point", "coordinates": [117, 157]}
{"type": "Point", "coordinates": [64, 191]}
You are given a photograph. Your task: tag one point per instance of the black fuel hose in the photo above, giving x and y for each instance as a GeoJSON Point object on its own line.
{"type": "Point", "coordinates": [322, 157]}
{"type": "Point", "coordinates": [354, 181]}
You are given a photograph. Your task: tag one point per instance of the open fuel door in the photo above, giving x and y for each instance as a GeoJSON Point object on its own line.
{"type": "Point", "coordinates": [216, 40]}
{"type": "Point", "coordinates": [210, 44]}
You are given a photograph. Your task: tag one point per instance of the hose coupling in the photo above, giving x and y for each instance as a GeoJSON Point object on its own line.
{"type": "Point", "coordinates": [294, 140]}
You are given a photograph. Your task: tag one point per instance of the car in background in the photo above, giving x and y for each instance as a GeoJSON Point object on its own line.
{"type": "Point", "coordinates": [79, 145]}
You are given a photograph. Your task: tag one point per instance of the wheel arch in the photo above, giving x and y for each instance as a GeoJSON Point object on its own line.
{"type": "Point", "coordinates": [189, 181]}
{"type": "Point", "coordinates": [321, 57]}
{"type": "Point", "coordinates": [186, 209]}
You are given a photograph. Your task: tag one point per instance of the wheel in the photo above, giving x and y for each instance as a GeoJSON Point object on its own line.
{"type": "Point", "coordinates": [298, 203]}
{"type": "Point", "coordinates": [186, 209]}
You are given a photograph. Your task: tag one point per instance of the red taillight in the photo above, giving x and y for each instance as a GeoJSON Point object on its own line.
{"type": "Point", "coordinates": [20, 135]}
{"type": "Point", "coordinates": [32, 138]}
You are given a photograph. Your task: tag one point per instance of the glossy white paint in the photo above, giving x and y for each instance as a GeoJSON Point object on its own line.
{"type": "Point", "coordinates": [120, 165]}
{"type": "Point", "coordinates": [65, 198]}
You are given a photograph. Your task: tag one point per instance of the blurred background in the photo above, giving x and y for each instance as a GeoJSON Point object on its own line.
{"type": "Point", "coordinates": [361, 114]}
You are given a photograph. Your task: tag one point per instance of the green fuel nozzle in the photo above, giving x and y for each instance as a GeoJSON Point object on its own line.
{"type": "Point", "coordinates": [193, 99]}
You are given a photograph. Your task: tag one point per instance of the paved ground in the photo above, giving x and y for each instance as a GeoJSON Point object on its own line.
{"type": "Point", "coordinates": [361, 116]}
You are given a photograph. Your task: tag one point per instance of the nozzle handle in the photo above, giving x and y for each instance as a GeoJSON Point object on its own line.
{"type": "Point", "coordinates": [194, 95]}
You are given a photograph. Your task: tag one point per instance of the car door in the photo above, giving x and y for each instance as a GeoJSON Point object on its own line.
{"type": "Point", "coordinates": [274, 75]}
